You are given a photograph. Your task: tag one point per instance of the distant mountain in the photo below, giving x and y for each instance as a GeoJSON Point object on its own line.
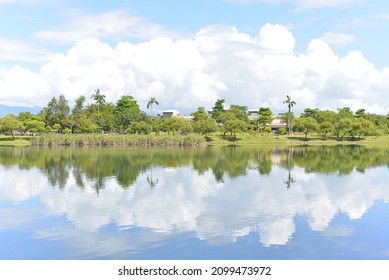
{"type": "Point", "coordinates": [5, 110]}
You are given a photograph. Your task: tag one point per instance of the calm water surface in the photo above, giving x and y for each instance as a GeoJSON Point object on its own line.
{"type": "Point", "coordinates": [208, 203]}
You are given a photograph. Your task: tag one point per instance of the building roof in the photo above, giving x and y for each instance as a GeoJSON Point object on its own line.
{"type": "Point", "coordinates": [174, 112]}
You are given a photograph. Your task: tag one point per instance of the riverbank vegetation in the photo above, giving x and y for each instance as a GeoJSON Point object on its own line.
{"type": "Point", "coordinates": [19, 141]}
{"type": "Point", "coordinates": [190, 140]}
{"type": "Point", "coordinates": [123, 123]}
{"type": "Point", "coordinates": [121, 140]}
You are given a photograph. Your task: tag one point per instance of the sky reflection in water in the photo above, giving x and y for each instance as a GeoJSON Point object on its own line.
{"type": "Point", "coordinates": [215, 203]}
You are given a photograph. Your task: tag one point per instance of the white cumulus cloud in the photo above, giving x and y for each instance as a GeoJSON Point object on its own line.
{"type": "Point", "coordinates": [216, 62]}
{"type": "Point", "coordinates": [117, 24]}
{"type": "Point", "coordinates": [338, 39]}
{"type": "Point", "coordinates": [16, 50]}
{"type": "Point", "coordinates": [276, 39]}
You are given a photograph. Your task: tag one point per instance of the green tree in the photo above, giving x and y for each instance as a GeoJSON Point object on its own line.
{"type": "Point", "coordinates": [98, 98]}
{"type": "Point", "coordinates": [205, 126]}
{"type": "Point", "coordinates": [175, 124]}
{"type": "Point", "coordinates": [290, 104]}
{"type": "Point", "coordinates": [79, 105]}
{"type": "Point", "coordinates": [156, 125]}
{"type": "Point", "coordinates": [71, 121]}
{"type": "Point", "coordinates": [361, 126]}
{"type": "Point", "coordinates": [77, 111]}
{"type": "Point", "coordinates": [35, 126]}
{"type": "Point", "coordinates": [343, 122]}
{"type": "Point", "coordinates": [57, 127]}
{"type": "Point", "coordinates": [342, 126]}
{"type": "Point", "coordinates": [306, 125]}
{"type": "Point", "coordinates": [104, 119]}
{"type": "Point", "coordinates": [99, 102]}
{"type": "Point", "coordinates": [107, 119]}
{"type": "Point", "coordinates": [368, 127]}
{"type": "Point", "coordinates": [51, 115]}
{"type": "Point", "coordinates": [282, 131]}
{"type": "Point", "coordinates": [380, 123]}
{"type": "Point", "coordinates": [199, 115]}
{"type": "Point", "coordinates": [57, 111]}
{"type": "Point", "coordinates": [63, 107]}
{"type": "Point", "coordinates": [326, 116]}
{"type": "Point", "coordinates": [361, 113]}
{"type": "Point", "coordinates": [48, 129]}
{"type": "Point", "coordinates": [141, 127]}
{"type": "Point", "coordinates": [345, 112]}
{"type": "Point", "coordinates": [356, 128]}
{"type": "Point", "coordinates": [9, 124]}
{"type": "Point", "coordinates": [326, 128]}
{"type": "Point", "coordinates": [232, 124]}
{"type": "Point", "coordinates": [309, 112]}
{"type": "Point", "coordinates": [218, 109]}
{"type": "Point", "coordinates": [25, 117]}
{"type": "Point", "coordinates": [182, 126]}
{"type": "Point", "coordinates": [265, 117]}
{"type": "Point", "coordinates": [167, 125]}
{"type": "Point", "coordinates": [85, 125]}
{"type": "Point", "coordinates": [67, 131]}
{"type": "Point", "coordinates": [239, 111]}
{"type": "Point", "coordinates": [126, 111]}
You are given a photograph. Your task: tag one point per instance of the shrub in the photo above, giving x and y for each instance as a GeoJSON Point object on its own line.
{"type": "Point", "coordinates": [282, 131]}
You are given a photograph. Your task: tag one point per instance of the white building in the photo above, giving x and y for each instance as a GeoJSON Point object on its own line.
{"type": "Point", "coordinates": [170, 113]}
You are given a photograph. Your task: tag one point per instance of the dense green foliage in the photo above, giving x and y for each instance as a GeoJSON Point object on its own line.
{"type": "Point", "coordinates": [126, 117]}
{"type": "Point", "coordinates": [265, 117]}
{"type": "Point", "coordinates": [343, 123]}
{"type": "Point", "coordinates": [10, 123]}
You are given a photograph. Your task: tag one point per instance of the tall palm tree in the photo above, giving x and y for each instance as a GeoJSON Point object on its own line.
{"type": "Point", "coordinates": [100, 100]}
{"type": "Point", "coordinates": [151, 103]}
{"type": "Point", "coordinates": [290, 105]}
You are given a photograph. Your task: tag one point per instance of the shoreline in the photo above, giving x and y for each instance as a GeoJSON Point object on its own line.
{"type": "Point", "coordinates": [190, 140]}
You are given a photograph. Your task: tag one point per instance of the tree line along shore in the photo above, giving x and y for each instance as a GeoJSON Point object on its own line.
{"type": "Point", "coordinates": [123, 123]}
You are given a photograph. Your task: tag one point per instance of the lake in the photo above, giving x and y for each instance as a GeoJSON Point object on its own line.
{"type": "Point", "coordinates": [226, 202]}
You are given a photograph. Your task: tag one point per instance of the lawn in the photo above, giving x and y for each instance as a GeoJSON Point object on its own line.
{"type": "Point", "coordinates": [19, 141]}
{"type": "Point", "coordinates": [296, 139]}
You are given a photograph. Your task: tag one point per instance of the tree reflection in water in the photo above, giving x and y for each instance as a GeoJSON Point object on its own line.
{"type": "Point", "coordinates": [126, 165]}
{"type": "Point", "coordinates": [152, 182]}
{"type": "Point", "coordinates": [290, 179]}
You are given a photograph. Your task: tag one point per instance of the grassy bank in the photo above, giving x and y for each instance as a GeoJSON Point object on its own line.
{"type": "Point", "coordinates": [118, 140]}
{"type": "Point", "coordinates": [16, 142]}
{"type": "Point", "coordinates": [297, 139]}
{"type": "Point", "coordinates": [183, 140]}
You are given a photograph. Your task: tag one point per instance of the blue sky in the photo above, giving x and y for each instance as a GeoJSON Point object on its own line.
{"type": "Point", "coordinates": [326, 54]}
